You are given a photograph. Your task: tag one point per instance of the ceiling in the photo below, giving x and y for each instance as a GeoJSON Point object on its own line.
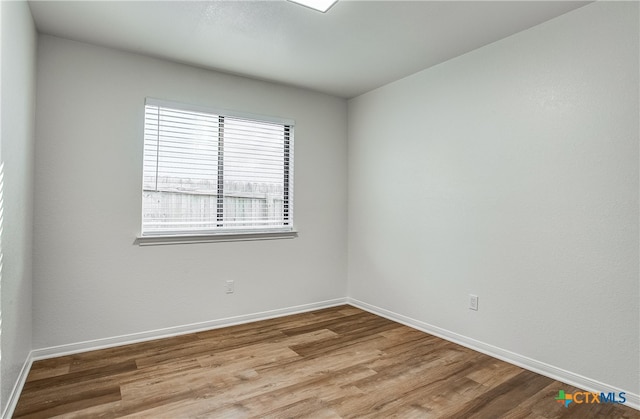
{"type": "Point", "coordinates": [355, 47]}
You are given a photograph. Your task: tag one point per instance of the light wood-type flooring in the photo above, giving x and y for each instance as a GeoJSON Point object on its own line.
{"type": "Point", "coordinates": [339, 362]}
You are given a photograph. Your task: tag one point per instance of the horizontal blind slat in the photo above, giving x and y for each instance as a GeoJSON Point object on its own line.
{"type": "Point", "coordinates": [182, 151]}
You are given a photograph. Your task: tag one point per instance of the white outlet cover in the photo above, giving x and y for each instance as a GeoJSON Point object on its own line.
{"type": "Point", "coordinates": [229, 286]}
{"type": "Point", "coordinates": [473, 302]}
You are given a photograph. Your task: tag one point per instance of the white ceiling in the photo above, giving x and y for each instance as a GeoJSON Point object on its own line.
{"type": "Point", "coordinates": [353, 48]}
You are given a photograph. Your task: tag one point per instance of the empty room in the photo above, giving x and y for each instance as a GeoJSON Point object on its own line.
{"type": "Point", "coordinates": [338, 209]}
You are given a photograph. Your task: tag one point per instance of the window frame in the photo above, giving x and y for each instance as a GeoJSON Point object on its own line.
{"type": "Point", "coordinates": [250, 233]}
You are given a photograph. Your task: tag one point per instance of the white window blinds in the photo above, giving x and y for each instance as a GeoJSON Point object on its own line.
{"type": "Point", "coordinates": [208, 172]}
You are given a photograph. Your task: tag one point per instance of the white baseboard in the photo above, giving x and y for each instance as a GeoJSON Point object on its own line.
{"type": "Point", "coordinates": [92, 345]}
{"type": "Point", "coordinates": [585, 383]}
{"type": "Point", "coordinates": [74, 348]}
{"type": "Point", "coordinates": [576, 380]}
{"type": "Point", "coordinates": [12, 401]}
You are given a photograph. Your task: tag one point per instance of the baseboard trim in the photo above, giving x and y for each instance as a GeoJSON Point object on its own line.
{"type": "Point", "coordinates": [568, 377]}
{"type": "Point", "coordinates": [12, 401]}
{"type": "Point", "coordinates": [585, 383]}
{"type": "Point", "coordinates": [96, 344]}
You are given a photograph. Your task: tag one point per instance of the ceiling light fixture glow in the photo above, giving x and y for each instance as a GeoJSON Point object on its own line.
{"type": "Point", "coordinates": [319, 5]}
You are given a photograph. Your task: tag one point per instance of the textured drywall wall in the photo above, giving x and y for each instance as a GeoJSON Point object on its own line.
{"type": "Point", "coordinates": [90, 280]}
{"type": "Point", "coordinates": [511, 173]}
{"type": "Point", "coordinates": [17, 114]}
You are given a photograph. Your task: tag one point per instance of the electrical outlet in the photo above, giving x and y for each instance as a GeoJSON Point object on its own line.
{"type": "Point", "coordinates": [229, 286]}
{"type": "Point", "coordinates": [473, 302]}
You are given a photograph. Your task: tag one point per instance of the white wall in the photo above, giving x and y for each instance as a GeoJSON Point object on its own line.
{"type": "Point", "coordinates": [512, 173]}
{"type": "Point", "coordinates": [17, 142]}
{"type": "Point", "coordinates": [90, 280]}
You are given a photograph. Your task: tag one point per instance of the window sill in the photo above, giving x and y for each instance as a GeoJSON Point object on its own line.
{"type": "Point", "coordinates": [212, 238]}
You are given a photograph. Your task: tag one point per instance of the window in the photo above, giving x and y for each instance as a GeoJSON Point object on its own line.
{"type": "Point", "coordinates": [211, 173]}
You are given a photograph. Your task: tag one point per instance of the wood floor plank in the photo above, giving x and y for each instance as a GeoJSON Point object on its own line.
{"type": "Point", "coordinates": [202, 347]}
{"type": "Point", "coordinates": [499, 400]}
{"type": "Point", "coordinates": [47, 371]}
{"type": "Point", "coordinates": [339, 362]}
{"type": "Point", "coordinates": [77, 377]}
{"type": "Point", "coordinates": [326, 387]}
{"type": "Point", "coordinates": [408, 388]}
{"type": "Point", "coordinates": [311, 407]}
{"type": "Point", "coordinates": [48, 407]}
